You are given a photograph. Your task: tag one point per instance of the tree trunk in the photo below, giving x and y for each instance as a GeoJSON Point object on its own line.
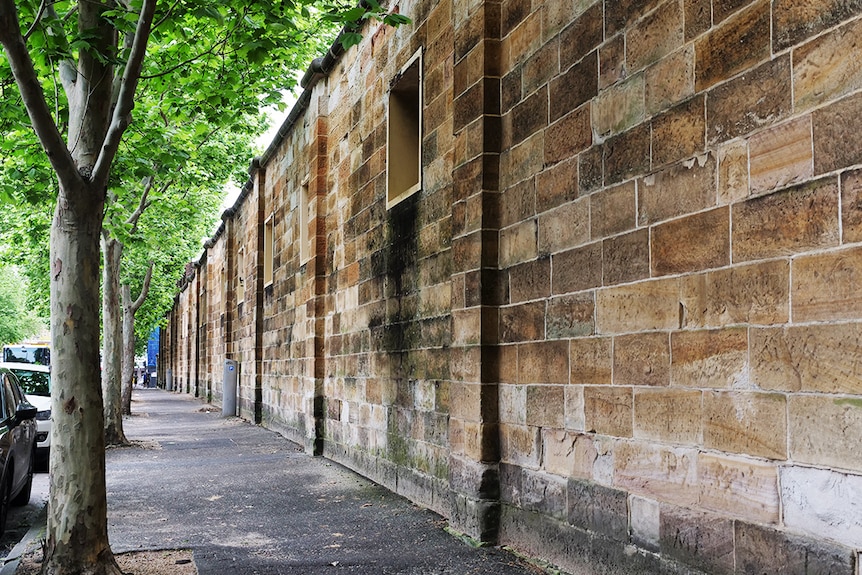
{"type": "Point", "coordinates": [112, 357]}
{"type": "Point", "coordinates": [77, 534]}
{"type": "Point", "coordinates": [130, 308]}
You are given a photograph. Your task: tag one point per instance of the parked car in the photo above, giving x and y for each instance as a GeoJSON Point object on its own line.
{"type": "Point", "coordinates": [17, 445]}
{"type": "Point", "coordinates": [35, 382]}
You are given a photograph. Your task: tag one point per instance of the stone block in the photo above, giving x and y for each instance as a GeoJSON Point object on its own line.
{"type": "Point", "coordinates": [822, 503]}
{"type": "Point", "coordinates": [513, 404]}
{"type": "Point", "coordinates": [520, 445]}
{"type": "Point", "coordinates": [564, 227]}
{"type": "Point", "coordinates": [793, 23]}
{"type": "Point", "coordinates": [613, 210]}
{"type": "Point", "coordinates": [642, 359]}
{"type": "Point", "coordinates": [700, 540]}
{"type": "Point", "coordinates": [591, 169]}
{"type": "Point", "coordinates": [826, 68]}
{"type": "Point", "coordinates": [668, 415]}
{"type": "Point", "coordinates": [739, 487]}
{"type": "Point", "coordinates": [577, 269]}
{"type": "Point", "coordinates": [756, 99]}
{"type": "Point", "coordinates": [530, 280]}
{"type": "Point", "coordinates": [781, 156]}
{"type": "Point", "coordinates": [619, 107]}
{"type": "Point", "coordinates": [546, 406]}
{"type": "Point", "coordinates": [655, 36]}
{"type": "Point", "coordinates": [698, 17]}
{"type": "Point", "coordinates": [710, 358]}
{"type": "Point", "coordinates": [645, 522]}
{"type": "Point", "coordinates": [543, 362]}
{"type": "Point", "coordinates": [518, 243]}
{"type": "Point", "coordinates": [811, 358]}
{"type": "Point", "coordinates": [762, 550]}
{"type": "Point", "coordinates": [679, 189]}
{"type": "Point", "coordinates": [627, 155]}
{"type": "Point", "coordinates": [626, 257]}
{"type": "Point", "coordinates": [527, 118]}
{"type": "Point", "coordinates": [819, 296]}
{"type": "Point", "coordinates": [798, 219]}
{"type": "Point", "coordinates": [620, 14]}
{"type": "Point", "coordinates": [525, 322]}
{"type": "Point", "coordinates": [824, 431]}
{"type": "Point", "coordinates": [733, 181]}
{"type": "Point", "coordinates": [838, 135]}
{"type": "Point", "coordinates": [746, 423]}
{"type": "Point", "coordinates": [692, 243]}
{"type": "Point", "coordinates": [558, 451]}
{"type": "Point", "coordinates": [571, 316]}
{"type": "Point", "coordinates": [539, 69]}
{"type": "Point", "coordinates": [582, 36]}
{"type": "Point", "coordinates": [557, 185]}
{"type": "Point", "coordinates": [737, 45]}
{"type": "Point", "coordinates": [669, 81]}
{"type": "Point", "coordinates": [679, 133]}
{"type": "Point", "coordinates": [591, 360]}
{"type": "Point", "coordinates": [574, 396]}
{"type": "Point", "coordinates": [523, 161]}
{"type": "Point", "coordinates": [612, 62]}
{"type": "Point", "coordinates": [643, 306]}
{"type": "Point", "coordinates": [574, 87]}
{"type": "Point", "coordinates": [659, 472]}
{"type": "Point", "coordinates": [851, 206]}
{"type": "Point", "coordinates": [569, 135]}
{"type": "Point", "coordinates": [608, 410]}
{"type": "Point", "coordinates": [597, 508]}
{"type": "Point", "coordinates": [756, 293]}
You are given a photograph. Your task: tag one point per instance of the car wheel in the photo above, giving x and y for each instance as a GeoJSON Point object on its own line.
{"type": "Point", "coordinates": [4, 503]}
{"type": "Point", "coordinates": [23, 497]}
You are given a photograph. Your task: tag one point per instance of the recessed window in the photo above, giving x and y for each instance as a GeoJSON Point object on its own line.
{"type": "Point", "coordinates": [268, 250]}
{"type": "Point", "coordinates": [404, 143]}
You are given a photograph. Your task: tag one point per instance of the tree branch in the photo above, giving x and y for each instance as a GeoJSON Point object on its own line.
{"type": "Point", "coordinates": [142, 205]}
{"type": "Point", "coordinates": [33, 97]}
{"type": "Point", "coordinates": [126, 97]}
{"type": "Point", "coordinates": [133, 308]}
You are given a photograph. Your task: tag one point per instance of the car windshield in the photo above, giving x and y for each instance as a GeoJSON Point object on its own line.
{"type": "Point", "coordinates": [34, 382]}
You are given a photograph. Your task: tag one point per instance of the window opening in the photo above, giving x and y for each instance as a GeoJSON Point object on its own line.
{"type": "Point", "coordinates": [404, 142]}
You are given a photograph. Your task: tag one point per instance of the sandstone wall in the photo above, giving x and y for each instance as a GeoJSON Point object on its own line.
{"type": "Point", "coordinates": [619, 326]}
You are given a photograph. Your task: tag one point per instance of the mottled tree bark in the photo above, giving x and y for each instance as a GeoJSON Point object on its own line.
{"type": "Point", "coordinates": [112, 339]}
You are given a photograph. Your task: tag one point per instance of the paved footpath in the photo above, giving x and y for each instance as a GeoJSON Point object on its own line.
{"type": "Point", "coordinates": [249, 502]}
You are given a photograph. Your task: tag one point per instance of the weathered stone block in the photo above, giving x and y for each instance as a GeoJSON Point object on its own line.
{"type": "Point", "coordinates": [627, 155]}
{"type": "Point", "coordinates": [757, 293]}
{"type": "Point", "coordinates": [626, 257]}
{"type": "Point", "coordinates": [670, 80]}
{"type": "Point", "coordinates": [520, 445]}
{"type": "Point", "coordinates": [518, 243]}
{"type": "Point", "coordinates": [612, 61]}
{"type": "Point", "coordinates": [739, 487]}
{"type": "Point", "coordinates": [620, 14]}
{"type": "Point", "coordinates": [645, 522]}
{"type": "Point", "coordinates": [824, 430]}
{"type": "Point", "coordinates": [753, 100]}
{"type": "Point", "coordinates": [571, 316]}
{"type": "Point", "coordinates": [642, 306]}
{"type": "Point", "coordinates": [598, 508]}
{"type": "Point", "coordinates": [765, 551]}
{"type": "Point", "coordinates": [676, 190]}
{"type": "Point", "coordinates": [668, 415]}
{"type": "Point", "coordinates": [613, 211]}
{"type": "Point", "coordinates": [577, 269]}
{"type": "Point", "coordinates": [656, 36]}
{"type": "Point", "coordinates": [748, 423]}
{"type": "Point", "coordinates": [851, 206]}
{"type": "Point", "coordinates": [733, 178]}
{"type": "Point", "coordinates": [735, 46]}
{"type": "Point", "coordinates": [557, 185]}
{"type": "Point", "coordinates": [546, 406]}
{"type": "Point", "coordinates": [658, 472]}
{"type": "Point", "coordinates": [642, 359]}
{"type": "Point", "coordinates": [837, 135]}
{"type": "Point", "coordinates": [698, 17]}
{"type": "Point", "coordinates": [591, 360]}
{"type": "Point", "coordinates": [575, 407]}
{"type": "Point", "coordinates": [819, 296]}
{"type": "Point", "coordinates": [574, 87]}
{"type": "Point", "coordinates": [794, 23]}
{"type": "Point", "coordinates": [608, 410]}
{"type": "Point", "coordinates": [619, 107]}
{"type": "Point", "coordinates": [702, 540]}
{"type": "Point", "coordinates": [795, 220]}
{"type": "Point", "coordinates": [679, 133]}
{"type": "Point", "coordinates": [526, 118]}
{"type": "Point", "coordinates": [582, 36]}
{"type": "Point", "coordinates": [564, 227]}
{"type": "Point", "coordinates": [781, 156]}
{"type": "Point", "coordinates": [513, 404]}
{"type": "Point", "coordinates": [819, 358]}
{"type": "Point", "coordinates": [823, 503]}
{"type": "Point", "coordinates": [530, 280]}
{"type": "Point", "coordinates": [825, 69]}
{"type": "Point", "coordinates": [543, 362]}
{"type": "Point", "coordinates": [710, 358]}
{"type": "Point", "coordinates": [692, 243]}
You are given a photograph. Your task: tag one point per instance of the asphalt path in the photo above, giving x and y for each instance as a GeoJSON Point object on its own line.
{"type": "Point", "coordinates": [249, 502]}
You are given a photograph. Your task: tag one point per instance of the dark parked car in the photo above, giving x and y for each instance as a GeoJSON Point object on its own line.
{"type": "Point", "coordinates": [17, 445]}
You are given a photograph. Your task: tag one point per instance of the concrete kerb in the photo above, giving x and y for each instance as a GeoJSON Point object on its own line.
{"type": "Point", "coordinates": [36, 532]}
